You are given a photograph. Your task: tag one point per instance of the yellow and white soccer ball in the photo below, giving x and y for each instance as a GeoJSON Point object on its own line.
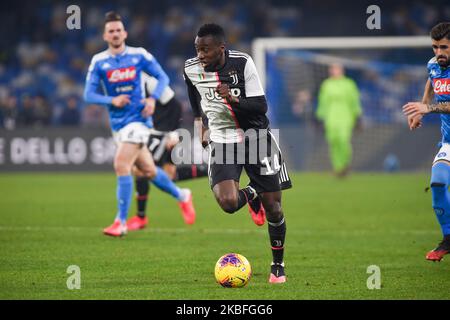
{"type": "Point", "coordinates": [233, 270]}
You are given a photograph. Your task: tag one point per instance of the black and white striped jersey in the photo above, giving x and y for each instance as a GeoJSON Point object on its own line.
{"type": "Point", "coordinates": [227, 121]}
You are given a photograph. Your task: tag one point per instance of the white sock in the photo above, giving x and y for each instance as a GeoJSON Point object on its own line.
{"type": "Point", "coordinates": [184, 195]}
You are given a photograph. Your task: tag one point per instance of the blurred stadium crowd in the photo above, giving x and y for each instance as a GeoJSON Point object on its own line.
{"type": "Point", "coordinates": [43, 64]}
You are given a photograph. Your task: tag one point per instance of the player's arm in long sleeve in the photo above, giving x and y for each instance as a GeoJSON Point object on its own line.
{"type": "Point", "coordinates": [251, 105]}
{"type": "Point", "coordinates": [153, 68]}
{"type": "Point", "coordinates": [92, 84]}
{"type": "Point", "coordinates": [255, 100]}
{"type": "Point", "coordinates": [194, 100]}
{"type": "Point", "coordinates": [194, 97]}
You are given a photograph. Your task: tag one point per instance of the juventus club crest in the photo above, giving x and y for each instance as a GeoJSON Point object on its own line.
{"type": "Point", "coordinates": [234, 77]}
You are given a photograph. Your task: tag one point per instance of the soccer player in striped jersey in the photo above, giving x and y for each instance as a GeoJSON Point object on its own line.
{"type": "Point", "coordinates": [118, 70]}
{"type": "Point", "coordinates": [224, 85]}
{"type": "Point", "coordinates": [437, 86]}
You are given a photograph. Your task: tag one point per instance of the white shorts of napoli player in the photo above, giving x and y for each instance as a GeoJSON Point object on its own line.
{"type": "Point", "coordinates": [443, 154]}
{"type": "Point", "coordinates": [134, 132]}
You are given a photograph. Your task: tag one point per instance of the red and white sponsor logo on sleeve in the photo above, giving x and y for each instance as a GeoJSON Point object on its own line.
{"type": "Point", "coordinates": [441, 86]}
{"type": "Point", "coordinates": [122, 74]}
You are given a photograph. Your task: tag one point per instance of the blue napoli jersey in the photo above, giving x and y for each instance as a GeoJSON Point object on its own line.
{"type": "Point", "coordinates": [440, 81]}
{"type": "Point", "coordinates": [121, 74]}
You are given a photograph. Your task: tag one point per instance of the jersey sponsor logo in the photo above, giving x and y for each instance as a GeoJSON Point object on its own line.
{"type": "Point", "coordinates": [123, 89]}
{"type": "Point", "coordinates": [441, 86]}
{"type": "Point", "coordinates": [212, 95]}
{"type": "Point", "coordinates": [122, 74]}
{"type": "Point", "coordinates": [441, 155]}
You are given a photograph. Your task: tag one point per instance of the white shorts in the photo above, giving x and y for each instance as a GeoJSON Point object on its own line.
{"type": "Point", "coordinates": [135, 132]}
{"type": "Point", "coordinates": [443, 154]}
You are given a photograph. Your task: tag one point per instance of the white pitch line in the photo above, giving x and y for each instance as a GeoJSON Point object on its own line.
{"type": "Point", "coordinates": [262, 231]}
{"type": "Point", "coordinates": [147, 230]}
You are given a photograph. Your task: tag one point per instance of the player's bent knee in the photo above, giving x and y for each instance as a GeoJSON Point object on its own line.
{"type": "Point", "coordinates": [273, 211]}
{"type": "Point", "coordinates": [228, 203]}
{"type": "Point", "coordinates": [122, 169]}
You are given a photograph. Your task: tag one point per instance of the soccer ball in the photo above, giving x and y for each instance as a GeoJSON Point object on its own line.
{"type": "Point", "coordinates": [233, 270]}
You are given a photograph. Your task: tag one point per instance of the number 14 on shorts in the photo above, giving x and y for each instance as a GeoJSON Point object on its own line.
{"type": "Point", "coordinates": [269, 169]}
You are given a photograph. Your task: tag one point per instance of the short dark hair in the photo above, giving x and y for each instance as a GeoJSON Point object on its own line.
{"type": "Point", "coordinates": [112, 16]}
{"type": "Point", "coordinates": [212, 29]}
{"type": "Point", "coordinates": [440, 31]}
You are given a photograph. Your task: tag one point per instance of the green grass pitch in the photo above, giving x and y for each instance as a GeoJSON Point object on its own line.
{"type": "Point", "coordinates": [335, 230]}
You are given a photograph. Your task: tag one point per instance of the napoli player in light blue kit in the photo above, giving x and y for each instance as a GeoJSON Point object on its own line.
{"type": "Point", "coordinates": [117, 71]}
{"type": "Point", "coordinates": [436, 99]}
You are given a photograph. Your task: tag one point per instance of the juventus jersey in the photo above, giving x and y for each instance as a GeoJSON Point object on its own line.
{"type": "Point", "coordinates": [225, 122]}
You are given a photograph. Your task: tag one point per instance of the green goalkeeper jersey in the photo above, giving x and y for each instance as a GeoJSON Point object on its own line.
{"type": "Point", "coordinates": [338, 102]}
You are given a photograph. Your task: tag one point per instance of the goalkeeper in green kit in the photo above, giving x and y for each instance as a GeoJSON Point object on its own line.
{"type": "Point", "coordinates": [339, 109]}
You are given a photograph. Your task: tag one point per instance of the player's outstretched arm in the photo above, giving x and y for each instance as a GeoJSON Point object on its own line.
{"type": "Point", "coordinates": [414, 109]}
{"type": "Point", "coordinates": [439, 107]}
{"type": "Point", "coordinates": [419, 108]}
